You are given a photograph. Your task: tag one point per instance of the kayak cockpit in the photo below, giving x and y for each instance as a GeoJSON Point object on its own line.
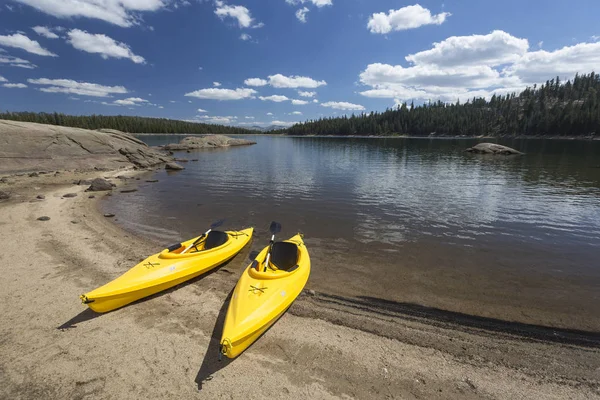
{"type": "Point", "coordinates": [214, 240]}
{"type": "Point", "coordinates": [285, 259]}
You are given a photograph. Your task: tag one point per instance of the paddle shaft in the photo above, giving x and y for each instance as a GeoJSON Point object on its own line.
{"type": "Point", "coordinates": [193, 244]}
{"type": "Point", "coordinates": [269, 252]}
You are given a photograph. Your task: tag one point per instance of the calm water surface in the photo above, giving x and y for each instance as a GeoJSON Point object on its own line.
{"type": "Point", "coordinates": [386, 217]}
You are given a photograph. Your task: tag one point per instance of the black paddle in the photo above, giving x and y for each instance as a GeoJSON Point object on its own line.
{"type": "Point", "coordinates": [274, 228]}
{"type": "Point", "coordinates": [212, 226]}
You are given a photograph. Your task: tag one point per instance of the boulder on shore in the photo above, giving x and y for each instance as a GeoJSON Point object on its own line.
{"type": "Point", "coordinates": [32, 147]}
{"type": "Point", "coordinates": [492, 148]}
{"type": "Point", "coordinates": [207, 142]}
{"type": "Point", "coordinates": [99, 185]}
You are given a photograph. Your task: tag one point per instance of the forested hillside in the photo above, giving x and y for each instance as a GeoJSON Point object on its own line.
{"type": "Point", "coordinates": [123, 123]}
{"type": "Point", "coordinates": [556, 108]}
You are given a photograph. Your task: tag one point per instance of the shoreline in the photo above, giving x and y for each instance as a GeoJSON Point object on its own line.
{"type": "Point", "coordinates": [165, 346]}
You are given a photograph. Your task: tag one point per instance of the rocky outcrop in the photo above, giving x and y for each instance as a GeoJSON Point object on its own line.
{"type": "Point", "coordinates": [26, 147]}
{"type": "Point", "coordinates": [492, 148]}
{"type": "Point", "coordinates": [174, 166]}
{"type": "Point", "coordinates": [207, 142]}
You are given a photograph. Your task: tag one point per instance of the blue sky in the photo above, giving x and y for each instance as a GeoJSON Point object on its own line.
{"type": "Point", "coordinates": [259, 62]}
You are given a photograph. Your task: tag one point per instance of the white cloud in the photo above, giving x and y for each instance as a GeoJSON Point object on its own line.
{"type": "Point", "coordinates": [255, 82]}
{"type": "Point", "coordinates": [249, 117]}
{"type": "Point", "coordinates": [318, 3]}
{"type": "Point", "coordinates": [595, 38]}
{"type": "Point", "coordinates": [3, 79]}
{"type": "Point", "coordinates": [103, 45]}
{"type": "Point", "coordinates": [21, 41]}
{"type": "Point", "coordinates": [495, 48]}
{"type": "Point", "coordinates": [202, 111]}
{"type": "Point", "coordinates": [245, 37]}
{"type": "Point", "coordinates": [269, 113]}
{"type": "Point", "coordinates": [45, 31]}
{"type": "Point", "coordinates": [463, 67]}
{"type": "Point", "coordinates": [220, 120]}
{"type": "Point", "coordinates": [294, 82]}
{"type": "Point", "coordinates": [283, 123]}
{"type": "Point", "coordinates": [409, 17]}
{"type": "Point", "coordinates": [16, 62]}
{"type": "Point", "coordinates": [15, 85]}
{"type": "Point", "coordinates": [216, 84]}
{"type": "Point", "coordinates": [538, 66]}
{"type": "Point", "coordinates": [307, 94]}
{"type": "Point", "coordinates": [275, 98]}
{"type": "Point", "coordinates": [160, 107]}
{"type": "Point", "coordinates": [296, 113]}
{"type": "Point", "coordinates": [315, 101]}
{"type": "Point", "coordinates": [131, 101]}
{"type": "Point", "coordinates": [119, 12]}
{"type": "Point", "coordinates": [223, 94]}
{"type": "Point", "coordinates": [73, 87]}
{"type": "Point", "coordinates": [342, 105]}
{"type": "Point", "coordinates": [301, 14]}
{"type": "Point", "coordinates": [240, 13]}
{"type": "Point", "coordinates": [299, 102]}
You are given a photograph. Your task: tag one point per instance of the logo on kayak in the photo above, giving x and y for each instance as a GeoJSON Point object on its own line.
{"type": "Point", "coordinates": [257, 289]}
{"type": "Point", "coordinates": [149, 265]}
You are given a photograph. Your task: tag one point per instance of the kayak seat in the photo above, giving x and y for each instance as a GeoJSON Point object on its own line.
{"type": "Point", "coordinates": [284, 255]}
{"type": "Point", "coordinates": [215, 239]}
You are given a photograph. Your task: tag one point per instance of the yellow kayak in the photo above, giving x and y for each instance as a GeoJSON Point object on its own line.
{"type": "Point", "coordinates": [264, 293]}
{"type": "Point", "coordinates": [168, 268]}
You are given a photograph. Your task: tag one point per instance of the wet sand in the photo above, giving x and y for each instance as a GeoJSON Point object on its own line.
{"type": "Point", "coordinates": [166, 346]}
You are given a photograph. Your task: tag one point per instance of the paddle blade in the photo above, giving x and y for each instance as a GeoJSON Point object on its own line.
{"type": "Point", "coordinates": [275, 227]}
{"type": "Point", "coordinates": [217, 224]}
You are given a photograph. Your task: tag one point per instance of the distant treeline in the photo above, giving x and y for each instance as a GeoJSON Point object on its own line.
{"type": "Point", "coordinates": [123, 123]}
{"type": "Point", "coordinates": [556, 108]}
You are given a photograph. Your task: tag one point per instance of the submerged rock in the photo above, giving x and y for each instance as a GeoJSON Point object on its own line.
{"type": "Point", "coordinates": [70, 195]}
{"type": "Point", "coordinates": [207, 142]}
{"type": "Point", "coordinates": [99, 185]}
{"type": "Point", "coordinates": [174, 166]}
{"type": "Point", "coordinates": [492, 148]}
{"type": "Point", "coordinates": [44, 218]}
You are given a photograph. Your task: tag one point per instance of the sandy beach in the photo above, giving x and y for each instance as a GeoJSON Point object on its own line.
{"type": "Point", "coordinates": [166, 346]}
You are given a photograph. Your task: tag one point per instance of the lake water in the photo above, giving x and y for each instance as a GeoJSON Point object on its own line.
{"type": "Point", "coordinates": [409, 220]}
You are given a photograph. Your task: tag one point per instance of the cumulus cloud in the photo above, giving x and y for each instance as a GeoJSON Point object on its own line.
{"type": "Point", "coordinates": [245, 37]}
{"type": "Point", "coordinates": [342, 105]}
{"type": "Point", "coordinates": [3, 79]}
{"type": "Point", "coordinates": [20, 41]}
{"type": "Point", "coordinates": [275, 98]}
{"type": "Point", "coordinates": [216, 84]}
{"type": "Point", "coordinates": [223, 94]}
{"type": "Point", "coordinates": [307, 94]}
{"type": "Point", "coordinates": [239, 13]}
{"type": "Point", "coordinates": [492, 49]}
{"type": "Point", "coordinates": [283, 123]}
{"type": "Point", "coordinates": [201, 111]}
{"type": "Point", "coordinates": [220, 120]}
{"type": "Point", "coordinates": [294, 82]}
{"type": "Point", "coordinates": [73, 87]}
{"type": "Point", "coordinates": [15, 85]}
{"type": "Point", "coordinates": [123, 13]}
{"type": "Point", "coordinates": [255, 82]}
{"type": "Point", "coordinates": [463, 67]}
{"type": "Point", "coordinates": [297, 102]}
{"type": "Point", "coordinates": [301, 14]}
{"type": "Point", "coordinates": [296, 113]}
{"type": "Point", "coordinates": [103, 45]}
{"type": "Point", "coordinates": [131, 101]}
{"type": "Point", "coordinates": [45, 31]}
{"type": "Point", "coordinates": [269, 113]}
{"type": "Point", "coordinates": [409, 17]}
